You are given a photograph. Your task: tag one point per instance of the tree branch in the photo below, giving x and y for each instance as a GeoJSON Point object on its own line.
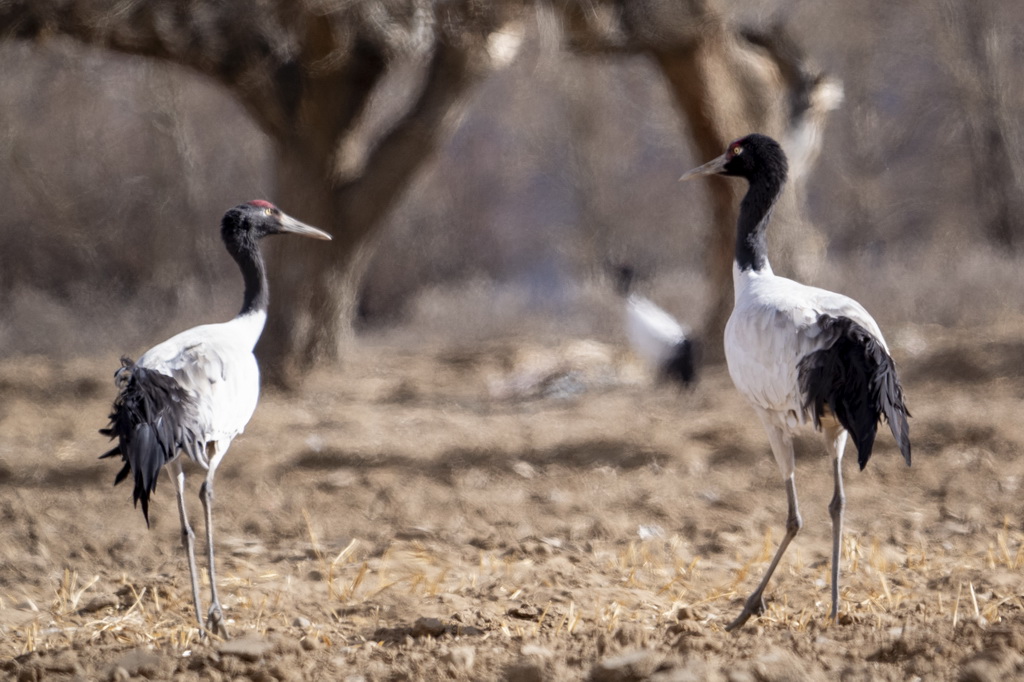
{"type": "Point", "coordinates": [395, 157]}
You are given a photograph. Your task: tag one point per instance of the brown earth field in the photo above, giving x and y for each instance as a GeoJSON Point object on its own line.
{"type": "Point", "coordinates": [521, 511]}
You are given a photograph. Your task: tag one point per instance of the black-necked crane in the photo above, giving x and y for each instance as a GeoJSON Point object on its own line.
{"type": "Point", "coordinates": [800, 355]}
{"type": "Point", "coordinates": [664, 344]}
{"type": "Point", "coordinates": [196, 391]}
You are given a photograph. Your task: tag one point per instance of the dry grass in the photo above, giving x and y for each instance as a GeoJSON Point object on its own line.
{"type": "Point", "coordinates": [639, 582]}
{"type": "Point", "coordinates": [400, 507]}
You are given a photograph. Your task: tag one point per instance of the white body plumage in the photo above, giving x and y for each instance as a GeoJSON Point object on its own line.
{"type": "Point", "coordinates": [215, 364]}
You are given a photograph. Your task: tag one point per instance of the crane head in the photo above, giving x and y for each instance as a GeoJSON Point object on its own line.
{"type": "Point", "coordinates": [257, 219]}
{"type": "Point", "coordinates": [749, 157]}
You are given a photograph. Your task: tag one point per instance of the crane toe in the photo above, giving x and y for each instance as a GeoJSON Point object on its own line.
{"type": "Point", "coordinates": [215, 622]}
{"type": "Point", "coordinates": [754, 606]}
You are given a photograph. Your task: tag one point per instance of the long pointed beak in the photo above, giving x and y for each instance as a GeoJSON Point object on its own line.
{"type": "Point", "coordinates": [289, 224]}
{"type": "Point", "coordinates": [713, 166]}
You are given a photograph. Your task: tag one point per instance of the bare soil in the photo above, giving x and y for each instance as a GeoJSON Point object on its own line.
{"type": "Point", "coordinates": [523, 512]}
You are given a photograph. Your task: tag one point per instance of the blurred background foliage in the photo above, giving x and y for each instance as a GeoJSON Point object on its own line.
{"type": "Point", "coordinates": [116, 170]}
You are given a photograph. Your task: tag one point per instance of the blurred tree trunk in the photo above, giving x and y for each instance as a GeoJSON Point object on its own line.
{"type": "Point", "coordinates": [727, 84]}
{"type": "Point", "coordinates": [316, 284]}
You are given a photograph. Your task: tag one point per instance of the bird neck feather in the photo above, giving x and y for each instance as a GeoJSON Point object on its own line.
{"type": "Point", "coordinates": [755, 212]}
{"type": "Point", "coordinates": [254, 271]}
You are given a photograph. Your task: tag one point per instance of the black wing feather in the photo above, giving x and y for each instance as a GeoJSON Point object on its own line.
{"type": "Point", "coordinates": [856, 380]}
{"type": "Point", "coordinates": [153, 418]}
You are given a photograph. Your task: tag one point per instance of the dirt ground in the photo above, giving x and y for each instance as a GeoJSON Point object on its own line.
{"type": "Point", "coordinates": [522, 512]}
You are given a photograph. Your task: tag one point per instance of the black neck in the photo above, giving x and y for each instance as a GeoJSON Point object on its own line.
{"type": "Point", "coordinates": [257, 294]}
{"type": "Point", "coordinates": [755, 212]}
{"type": "Point", "coordinates": [246, 252]}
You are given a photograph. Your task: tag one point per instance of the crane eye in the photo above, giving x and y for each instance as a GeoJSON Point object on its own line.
{"type": "Point", "coordinates": [268, 211]}
{"type": "Point", "coordinates": [737, 150]}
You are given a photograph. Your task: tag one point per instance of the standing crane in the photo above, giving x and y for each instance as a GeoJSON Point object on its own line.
{"type": "Point", "coordinates": [800, 355]}
{"type": "Point", "coordinates": [196, 391]}
{"type": "Point", "coordinates": [664, 344]}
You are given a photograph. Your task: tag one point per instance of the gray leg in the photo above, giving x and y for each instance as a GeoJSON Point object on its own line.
{"type": "Point", "coordinates": [188, 538]}
{"type": "Point", "coordinates": [215, 616]}
{"type": "Point", "coordinates": [835, 508]}
{"type": "Point", "coordinates": [755, 602]}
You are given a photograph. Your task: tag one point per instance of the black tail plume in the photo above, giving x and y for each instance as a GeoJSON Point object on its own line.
{"type": "Point", "coordinates": [153, 417]}
{"type": "Point", "coordinates": [682, 365]}
{"type": "Point", "coordinates": [856, 380]}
